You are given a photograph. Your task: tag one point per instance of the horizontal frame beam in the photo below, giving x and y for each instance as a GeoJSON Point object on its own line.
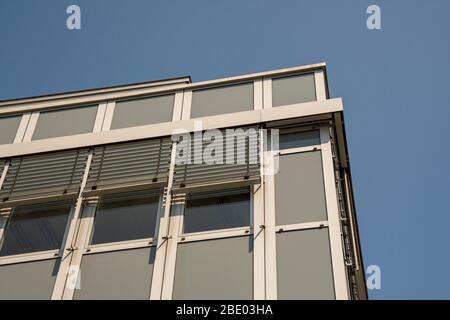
{"type": "Point", "coordinates": [168, 128]}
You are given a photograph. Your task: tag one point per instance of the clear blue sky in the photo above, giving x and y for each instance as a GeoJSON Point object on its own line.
{"type": "Point", "coordinates": [394, 83]}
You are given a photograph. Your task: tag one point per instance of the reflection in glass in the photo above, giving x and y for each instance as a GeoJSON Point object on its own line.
{"type": "Point", "coordinates": [218, 210]}
{"type": "Point", "coordinates": [125, 217]}
{"type": "Point", "coordinates": [35, 228]}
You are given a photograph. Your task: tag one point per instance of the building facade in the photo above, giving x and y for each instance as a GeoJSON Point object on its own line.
{"type": "Point", "coordinates": [237, 188]}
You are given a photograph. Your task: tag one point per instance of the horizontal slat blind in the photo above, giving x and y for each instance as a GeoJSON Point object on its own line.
{"type": "Point", "coordinates": [42, 175]}
{"type": "Point", "coordinates": [191, 174]}
{"type": "Point", "coordinates": [131, 163]}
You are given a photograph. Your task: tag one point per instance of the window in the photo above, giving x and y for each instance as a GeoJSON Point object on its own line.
{"type": "Point", "coordinates": [65, 122]}
{"type": "Point", "coordinates": [299, 189]}
{"type": "Point", "coordinates": [35, 228]}
{"type": "Point", "coordinates": [124, 217]}
{"type": "Point", "coordinates": [299, 139]}
{"type": "Point", "coordinates": [138, 112]}
{"type": "Point", "coordinates": [304, 267]}
{"type": "Point", "coordinates": [215, 269]}
{"type": "Point", "coordinates": [293, 89]}
{"type": "Point", "coordinates": [8, 128]}
{"type": "Point", "coordinates": [217, 210]}
{"type": "Point", "coordinates": [226, 99]}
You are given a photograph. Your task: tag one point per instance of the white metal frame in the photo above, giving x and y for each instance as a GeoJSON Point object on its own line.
{"type": "Point", "coordinates": [332, 223]}
{"type": "Point", "coordinates": [176, 237]}
{"type": "Point", "coordinates": [170, 215]}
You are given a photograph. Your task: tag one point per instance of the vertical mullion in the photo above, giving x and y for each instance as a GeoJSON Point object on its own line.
{"type": "Point", "coordinates": [172, 246]}
{"type": "Point", "coordinates": [161, 243]}
{"type": "Point", "coordinates": [178, 106]}
{"type": "Point", "coordinates": [258, 94]}
{"type": "Point", "coordinates": [334, 227]}
{"type": "Point", "coordinates": [319, 81]}
{"type": "Point", "coordinates": [187, 103]}
{"type": "Point", "coordinates": [109, 114]}
{"type": "Point", "coordinates": [22, 127]}
{"type": "Point", "coordinates": [258, 242]}
{"type": "Point", "coordinates": [67, 253]}
{"type": "Point", "coordinates": [270, 235]}
{"type": "Point", "coordinates": [31, 126]}
{"type": "Point", "coordinates": [267, 93]}
{"type": "Point", "coordinates": [100, 116]}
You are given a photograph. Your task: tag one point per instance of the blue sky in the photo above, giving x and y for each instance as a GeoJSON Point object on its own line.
{"type": "Point", "coordinates": [393, 82]}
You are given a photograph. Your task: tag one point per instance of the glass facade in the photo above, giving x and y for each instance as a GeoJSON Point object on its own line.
{"type": "Point", "coordinates": [35, 228]}
{"type": "Point", "coordinates": [116, 217]}
{"type": "Point", "coordinates": [125, 217]}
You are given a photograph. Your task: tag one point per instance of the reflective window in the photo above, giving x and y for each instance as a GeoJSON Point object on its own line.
{"type": "Point", "coordinates": [138, 112]}
{"type": "Point", "coordinates": [226, 99]}
{"type": "Point", "coordinates": [218, 210]}
{"type": "Point", "coordinates": [125, 217]}
{"type": "Point", "coordinates": [65, 122]}
{"type": "Point", "coordinates": [293, 89]}
{"type": "Point", "coordinates": [35, 228]}
{"type": "Point", "coordinates": [299, 139]}
{"type": "Point", "coordinates": [8, 128]}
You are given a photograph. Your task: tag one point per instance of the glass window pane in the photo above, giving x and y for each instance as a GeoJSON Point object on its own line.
{"type": "Point", "coordinates": [29, 280]}
{"type": "Point", "coordinates": [299, 139]}
{"type": "Point", "coordinates": [35, 228]}
{"type": "Point", "coordinates": [299, 189]}
{"type": "Point", "coordinates": [214, 211]}
{"type": "Point", "coordinates": [293, 89]}
{"type": "Point", "coordinates": [304, 269]}
{"type": "Point", "coordinates": [139, 112]}
{"type": "Point", "coordinates": [227, 99]}
{"type": "Point", "coordinates": [59, 123]}
{"type": "Point", "coordinates": [8, 128]}
{"type": "Point", "coordinates": [125, 217]}
{"type": "Point", "coordinates": [125, 274]}
{"type": "Point", "coordinates": [215, 269]}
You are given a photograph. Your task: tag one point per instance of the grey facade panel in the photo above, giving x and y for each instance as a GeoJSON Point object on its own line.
{"type": "Point", "coordinates": [293, 89]}
{"type": "Point", "coordinates": [28, 280]}
{"type": "Point", "coordinates": [299, 189]}
{"type": "Point", "coordinates": [215, 269]}
{"type": "Point", "coordinates": [220, 100]}
{"type": "Point", "coordinates": [8, 128]}
{"type": "Point", "coordinates": [130, 163]}
{"type": "Point", "coordinates": [49, 174]}
{"type": "Point", "coordinates": [65, 122]}
{"type": "Point", "coordinates": [115, 275]}
{"type": "Point", "coordinates": [304, 269]}
{"type": "Point", "coordinates": [138, 112]}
